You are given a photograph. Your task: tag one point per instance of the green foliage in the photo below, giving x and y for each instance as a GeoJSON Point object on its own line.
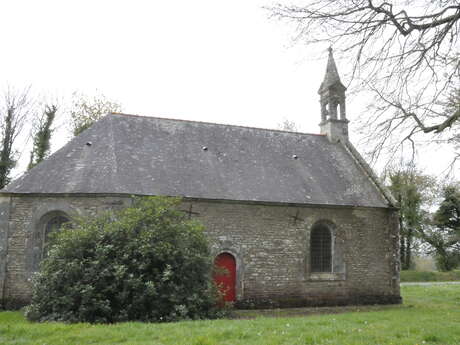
{"type": "Point", "coordinates": [424, 276]}
{"type": "Point", "coordinates": [445, 238]}
{"type": "Point", "coordinates": [146, 262]}
{"type": "Point", "coordinates": [86, 110]}
{"type": "Point", "coordinates": [42, 136]}
{"type": "Point", "coordinates": [412, 190]}
{"type": "Point", "coordinates": [428, 313]}
{"type": "Point", "coordinates": [447, 260]}
{"type": "Point", "coordinates": [448, 213]}
{"type": "Point", "coordinates": [415, 194]}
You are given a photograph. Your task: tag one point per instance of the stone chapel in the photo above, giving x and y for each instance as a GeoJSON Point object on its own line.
{"type": "Point", "coordinates": [298, 219]}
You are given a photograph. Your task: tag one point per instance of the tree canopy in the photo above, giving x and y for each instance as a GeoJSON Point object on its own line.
{"type": "Point", "coordinates": [443, 234]}
{"type": "Point", "coordinates": [42, 136]}
{"type": "Point", "coordinates": [86, 110]}
{"type": "Point", "coordinates": [405, 52]}
{"type": "Point", "coordinates": [413, 191]}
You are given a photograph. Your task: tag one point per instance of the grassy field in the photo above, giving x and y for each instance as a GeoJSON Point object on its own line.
{"type": "Point", "coordinates": [432, 276]}
{"type": "Point", "coordinates": [429, 315]}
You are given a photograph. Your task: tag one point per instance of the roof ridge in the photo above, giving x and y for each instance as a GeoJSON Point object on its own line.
{"type": "Point", "coordinates": [214, 124]}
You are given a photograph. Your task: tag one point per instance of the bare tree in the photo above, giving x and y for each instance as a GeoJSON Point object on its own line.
{"type": "Point", "coordinates": [288, 125]}
{"type": "Point", "coordinates": [451, 106]}
{"type": "Point", "coordinates": [15, 109]}
{"type": "Point", "coordinates": [407, 57]}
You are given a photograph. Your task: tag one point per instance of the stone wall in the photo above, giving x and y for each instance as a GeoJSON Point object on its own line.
{"type": "Point", "coordinates": [269, 242]}
{"type": "Point", "coordinates": [25, 234]}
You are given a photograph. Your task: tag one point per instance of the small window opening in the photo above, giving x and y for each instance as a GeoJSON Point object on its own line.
{"type": "Point", "coordinates": [321, 249]}
{"type": "Point", "coordinates": [54, 224]}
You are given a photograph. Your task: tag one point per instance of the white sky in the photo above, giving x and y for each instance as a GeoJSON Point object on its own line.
{"type": "Point", "coordinates": [216, 61]}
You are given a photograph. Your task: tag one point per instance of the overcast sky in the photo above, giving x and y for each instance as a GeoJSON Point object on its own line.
{"type": "Point", "coordinates": [216, 61]}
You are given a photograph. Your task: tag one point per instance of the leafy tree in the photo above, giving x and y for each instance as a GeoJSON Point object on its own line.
{"type": "Point", "coordinates": [14, 111]}
{"type": "Point", "coordinates": [412, 191]}
{"type": "Point", "coordinates": [444, 235]}
{"type": "Point", "coordinates": [42, 136]}
{"type": "Point", "coordinates": [87, 110]}
{"type": "Point", "coordinates": [416, 194]}
{"type": "Point", "coordinates": [146, 262]}
{"type": "Point", "coordinates": [448, 214]}
{"type": "Point", "coordinates": [406, 53]}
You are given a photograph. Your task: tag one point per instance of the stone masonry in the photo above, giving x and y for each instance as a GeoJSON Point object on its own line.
{"type": "Point", "coordinates": [269, 241]}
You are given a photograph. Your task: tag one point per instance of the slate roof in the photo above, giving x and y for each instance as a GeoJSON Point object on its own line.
{"type": "Point", "coordinates": [126, 154]}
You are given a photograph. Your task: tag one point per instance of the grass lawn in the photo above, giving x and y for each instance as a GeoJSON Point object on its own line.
{"type": "Point", "coordinates": [432, 276]}
{"type": "Point", "coordinates": [430, 315]}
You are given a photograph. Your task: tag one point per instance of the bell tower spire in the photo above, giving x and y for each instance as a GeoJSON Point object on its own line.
{"type": "Point", "coordinates": [334, 121]}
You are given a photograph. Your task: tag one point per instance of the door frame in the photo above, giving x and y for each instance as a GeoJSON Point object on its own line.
{"type": "Point", "coordinates": [239, 281]}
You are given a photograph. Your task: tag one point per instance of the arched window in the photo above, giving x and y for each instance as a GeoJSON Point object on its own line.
{"type": "Point", "coordinates": [321, 249]}
{"type": "Point", "coordinates": [54, 223]}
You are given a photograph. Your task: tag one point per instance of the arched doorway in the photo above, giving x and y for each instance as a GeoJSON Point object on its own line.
{"type": "Point", "coordinates": [225, 276]}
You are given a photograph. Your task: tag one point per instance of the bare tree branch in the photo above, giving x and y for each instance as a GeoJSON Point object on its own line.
{"type": "Point", "coordinates": [406, 53]}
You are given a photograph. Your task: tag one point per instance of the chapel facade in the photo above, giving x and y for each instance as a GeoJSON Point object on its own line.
{"type": "Point", "coordinates": [297, 219]}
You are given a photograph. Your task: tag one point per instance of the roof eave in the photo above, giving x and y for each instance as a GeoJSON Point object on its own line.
{"type": "Point", "coordinates": [191, 198]}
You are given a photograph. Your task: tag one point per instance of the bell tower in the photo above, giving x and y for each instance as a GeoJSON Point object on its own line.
{"type": "Point", "coordinates": [334, 121]}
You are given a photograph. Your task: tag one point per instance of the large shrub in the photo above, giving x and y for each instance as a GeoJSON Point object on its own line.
{"type": "Point", "coordinates": [146, 262]}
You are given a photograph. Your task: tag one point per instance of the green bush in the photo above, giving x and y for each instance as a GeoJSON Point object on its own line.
{"type": "Point", "coordinates": [145, 262]}
{"type": "Point", "coordinates": [448, 261]}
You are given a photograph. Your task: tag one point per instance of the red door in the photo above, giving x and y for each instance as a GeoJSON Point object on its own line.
{"type": "Point", "coordinates": [226, 280]}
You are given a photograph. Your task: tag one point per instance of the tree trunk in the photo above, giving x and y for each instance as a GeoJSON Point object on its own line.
{"type": "Point", "coordinates": [402, 239]}
{"type": "Point", "coordinates": [409, 239]}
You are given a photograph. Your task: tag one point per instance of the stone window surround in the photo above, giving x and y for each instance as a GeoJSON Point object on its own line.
{"type": "Point", "coordinates": [36, 228]}
{"type": "Point", "coordinates": [338, 266]}
{"type": "Point", "coordinates": [44, 228]}
{"type": "Point", "coordinates": [320, 249]}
